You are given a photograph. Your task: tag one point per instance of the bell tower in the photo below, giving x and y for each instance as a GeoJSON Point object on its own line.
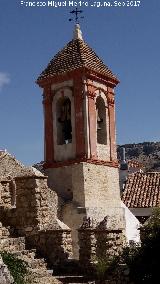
{"type": "Point", "coordinates": [79, 139]}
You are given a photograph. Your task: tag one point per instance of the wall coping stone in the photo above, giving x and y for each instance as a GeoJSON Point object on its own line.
{"type": "Point", "coordinates": [101, 230]}
{"type": "Point", "coordinates": [30, 177]}
{"type": "Point", "coordinates": [53, 230]}
{"type": "Point", "coordinates": [5, 181]}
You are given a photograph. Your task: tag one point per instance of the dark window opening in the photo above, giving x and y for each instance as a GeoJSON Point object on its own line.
{"type": "Point", "coordinates": [64, 125]}
{"type": "Point", "coordinates": [101, 121]}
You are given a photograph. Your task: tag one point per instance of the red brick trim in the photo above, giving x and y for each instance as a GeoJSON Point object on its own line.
{"type": "Point", "coordinates": [111, 111]}
{"type": "Point", "coordinates": [110, 97]}
{"type": "Point", "coordinates": [79, 116]}
{"type": "Point", "coordinates": [92, 121]}
{"type": "Point", "coordinates": [48, 124]}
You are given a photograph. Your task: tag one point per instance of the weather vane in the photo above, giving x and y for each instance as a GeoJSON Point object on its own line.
{"type": "Point", "coordinates": [76, 13]}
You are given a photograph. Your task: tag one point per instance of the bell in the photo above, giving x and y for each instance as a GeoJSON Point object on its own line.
{"type": "Point", "coordinates": [98, 127]}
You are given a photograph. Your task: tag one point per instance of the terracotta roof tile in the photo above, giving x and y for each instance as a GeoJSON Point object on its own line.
{"type": "Point", "coordinates": [134, 164]}
{"type": "Point", "coordinates": [142, 190]}
{"type": "Point", "coordinates": [74, 55]}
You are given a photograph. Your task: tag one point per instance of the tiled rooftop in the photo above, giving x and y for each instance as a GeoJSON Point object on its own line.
{"type": "Point", "coordinates": [74, 55]}
{"type": "Point", "coordinates": [134, 164]}
{"type": "Point", "coordinates": [142, 190]}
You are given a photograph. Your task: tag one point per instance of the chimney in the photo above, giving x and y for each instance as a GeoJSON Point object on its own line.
{"type": "Point", "coordinates": [124, 165]}
{"type": "Point", "coordinates": [123, 155]}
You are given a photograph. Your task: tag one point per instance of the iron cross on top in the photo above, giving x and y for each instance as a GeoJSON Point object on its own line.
{"type": "Point", "coordinates": [76, 12]}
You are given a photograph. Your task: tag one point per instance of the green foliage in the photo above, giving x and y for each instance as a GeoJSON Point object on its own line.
{"type": "Point", "coordinates": [105, 267]}
{"type": "Point", "coordinates": [135, 152]}
{"type": "Point", "coordinates": [17, 267]}
{"type": "Point", "coordinates": [148, 149]}
{"type": "Point", "coordinates": [143, 261]}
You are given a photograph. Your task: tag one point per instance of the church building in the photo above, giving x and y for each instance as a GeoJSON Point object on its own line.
{"type": "Point", "coordinates": [79, 136]}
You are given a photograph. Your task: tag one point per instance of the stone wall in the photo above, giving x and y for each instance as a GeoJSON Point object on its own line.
{"type": "Point", "coordinates": [96, 191]}
{"type": "Point", "coordinates": [98, 245]}
{"type": "Point", "coordinates": [98, 242]}
{"type": "Point", "coordinates": [92, 186]}
{"type": "Point", "coordinates": [36, 205]}
{"type": "Point", "coordinates": [10, 167]}
{"type": "Point", "coordinates": [63, 186]}
{"type": "Point", "coordinates": [88, 190]}
{"type": "Point", "coordinates": [56, 245]}
{"type": "Point", "coordinates": [35, 216]}
{"type": "Point", "coordinates": [7, 193]}
{"type": "Point", "coordinates": [101, 184]}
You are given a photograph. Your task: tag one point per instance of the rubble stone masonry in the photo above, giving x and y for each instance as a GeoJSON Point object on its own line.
{"type": "Point", "coordinates": [99, 243]}
{"type": "Point", "coordinates": [35, 216]}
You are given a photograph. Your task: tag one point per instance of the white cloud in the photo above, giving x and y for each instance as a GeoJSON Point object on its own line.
{"type": "Point", "coordinates": [4, 79]}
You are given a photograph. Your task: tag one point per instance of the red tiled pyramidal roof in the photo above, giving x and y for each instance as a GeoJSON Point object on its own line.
{"type": "Point", "coordinates": [142, 190]}
{"type": "Point", "coordinates": [74, 55]}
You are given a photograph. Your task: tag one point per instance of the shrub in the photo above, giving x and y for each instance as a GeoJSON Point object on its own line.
{"type": "Point", "coordinates": [143, 261]}
{"type": "Point", "coordinates": [105, 267]}
{"type": "Point", "coordinates": [16, 266]}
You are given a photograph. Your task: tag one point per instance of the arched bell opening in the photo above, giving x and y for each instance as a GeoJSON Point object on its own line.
{"type": "Point", "coordinates": [64, 124]}
{"type": "Point", "coordinates": [101, 121]}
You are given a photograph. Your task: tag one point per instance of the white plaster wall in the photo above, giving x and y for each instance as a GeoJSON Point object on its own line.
{"type": "Point", "coordinates": [132, 225]}
{"type": "Point", "coordinates": [59, 86]}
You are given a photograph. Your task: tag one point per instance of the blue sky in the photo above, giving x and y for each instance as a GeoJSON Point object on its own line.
{"type": "Point", "coordinates": [126, 38]}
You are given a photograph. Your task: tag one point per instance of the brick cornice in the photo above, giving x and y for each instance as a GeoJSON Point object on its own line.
{"type": "Point", "coordinates": [113, 164]}
{"type": "Point", "coordinates": [60, 78]}
{"type": "Point", "coordinates": [93, 75]}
